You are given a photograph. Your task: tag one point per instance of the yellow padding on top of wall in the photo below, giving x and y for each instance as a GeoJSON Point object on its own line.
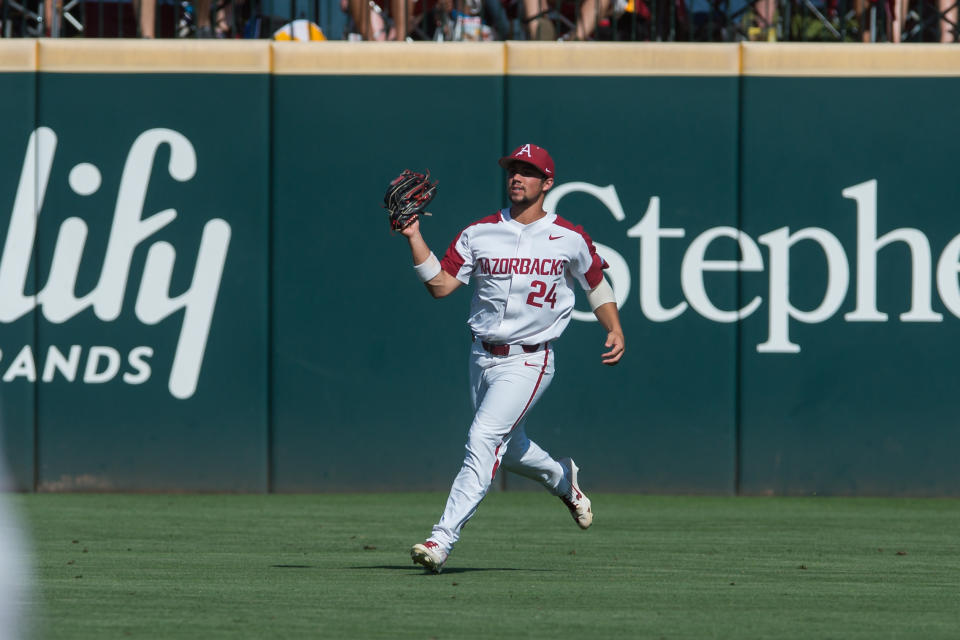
{"type": "Point", "coordinates": [388, 58]}
{"type": "Point", "coordinates": [850, 60]}
{"type": "Point", "coordinates": [18, 55]}
{"type": "Point", "coordinates": [77, 55]}
{"type": "Point", "coordinates": [110, 55]}
{"type": "Point", "coordinates": [622, 59]}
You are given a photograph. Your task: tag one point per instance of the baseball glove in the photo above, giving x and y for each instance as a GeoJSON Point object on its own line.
{"type": "Point", "coordinates": [407, 196]}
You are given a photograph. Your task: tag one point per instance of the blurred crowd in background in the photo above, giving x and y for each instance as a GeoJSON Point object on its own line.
{"type": "Point", "coordinates": [490, 20]}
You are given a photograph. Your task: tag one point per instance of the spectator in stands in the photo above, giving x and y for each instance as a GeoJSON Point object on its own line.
{"type": "Point", "coordinates": [224, 18]}
{"type": "Point", "coordinates": [372, 22]}
{"type": "Point", "coordinates": [472, 20]}
{"type": "Point", "coordinates": [146, 13]}
{"type": "Point", "coordinates": [495, 15]}
{"type": "Point", "coordinates": [765, 28]}
{"type": "Point", "coordinates": [540, 27]}
{"type": "Point", "coordinates": [201, 13]}
{"type": "Point", "coordinates": [948, 19]}
{"type": "Point", "coordinates": [888, 29]}
{"type": "Point", "coordinates": [591, 12]}
{"type": "Point", "coordinates": [47, 19]}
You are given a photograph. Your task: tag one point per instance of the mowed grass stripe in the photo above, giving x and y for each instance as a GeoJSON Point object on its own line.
{"type": "Point", "coordinates": [337, 566]}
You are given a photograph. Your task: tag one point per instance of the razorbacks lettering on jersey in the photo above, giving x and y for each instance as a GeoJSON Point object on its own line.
{"type": "Point", "coordinates": [524, 273]}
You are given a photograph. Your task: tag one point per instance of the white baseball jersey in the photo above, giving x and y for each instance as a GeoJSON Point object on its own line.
{"type": "Point", "coordinates": [524, 291]}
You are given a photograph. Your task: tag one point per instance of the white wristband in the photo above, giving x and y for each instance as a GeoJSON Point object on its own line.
{"type": "Point", "coordinates": [428, 269]}
{"type": "Point", "coordinates": [600, 294]}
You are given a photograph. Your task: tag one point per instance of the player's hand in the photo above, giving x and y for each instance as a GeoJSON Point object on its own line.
{"type": "Point", "coordinates": [412, 229]}
{"type": "Point", "coordinates": [615, 344]}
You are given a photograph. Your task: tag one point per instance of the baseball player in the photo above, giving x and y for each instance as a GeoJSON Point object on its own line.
{"type": "Point", "coordinates": [524, 262]}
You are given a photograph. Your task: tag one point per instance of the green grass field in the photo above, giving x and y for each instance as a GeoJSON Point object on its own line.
{"type": "Point", "coordinates": [337, 566]}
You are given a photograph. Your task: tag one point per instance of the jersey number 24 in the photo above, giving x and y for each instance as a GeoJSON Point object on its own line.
{"type": "Point", "coordinates": [540, 292]}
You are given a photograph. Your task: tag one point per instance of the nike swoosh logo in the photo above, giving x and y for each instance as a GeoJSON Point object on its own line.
{"type": "Point", "coordinates": [531, 365]}
{"type": "Point", "coordinates": [554, 237]}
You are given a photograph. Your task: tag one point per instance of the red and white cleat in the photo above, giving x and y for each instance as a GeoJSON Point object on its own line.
{"type": "Point", "coordinates": [429, 555]}
{"type": "Point", "coordinates": [576, 500]}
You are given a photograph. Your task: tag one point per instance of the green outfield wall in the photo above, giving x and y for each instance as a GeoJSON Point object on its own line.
{"type": "Point", "coordinates": [198, 290]}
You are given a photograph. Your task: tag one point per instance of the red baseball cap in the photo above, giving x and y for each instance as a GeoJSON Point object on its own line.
{"type": "Point", "coordinates": [532, 155]}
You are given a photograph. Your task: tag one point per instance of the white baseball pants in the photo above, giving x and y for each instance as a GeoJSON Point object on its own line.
{"type": "Point", "coordinates": [504, 389]}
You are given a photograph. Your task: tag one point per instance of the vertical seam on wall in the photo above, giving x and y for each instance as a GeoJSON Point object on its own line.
{"type": "Point", "coordinates": [738, 332]}
{"type": "Point", "coordinates": [36, 314]}
{"type": "Point", "coordinates": [35, 264]}
{"type": "Point", "coordinates": [270, 269]}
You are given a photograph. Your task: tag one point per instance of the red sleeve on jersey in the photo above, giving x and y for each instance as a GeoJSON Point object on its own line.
{"type": "Point", "coordinates": [594, 273]}
{"type": "Point", "coordinates": [452, 260]}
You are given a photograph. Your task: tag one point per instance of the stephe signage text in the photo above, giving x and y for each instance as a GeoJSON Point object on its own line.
{"type": "Point", "coordinates": [651, 231]}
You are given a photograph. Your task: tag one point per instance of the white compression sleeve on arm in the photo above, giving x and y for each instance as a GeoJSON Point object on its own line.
{"type": "Point", "coordinates": [428, 269]}
{"type": "Point", "coordinates": [600, 294]}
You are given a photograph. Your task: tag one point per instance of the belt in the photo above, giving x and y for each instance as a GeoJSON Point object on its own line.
{"type": "Point", "coordinates": [511, 349]}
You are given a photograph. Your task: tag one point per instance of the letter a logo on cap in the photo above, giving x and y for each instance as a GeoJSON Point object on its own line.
{"type": "Point", "coordinates": [531, 154]}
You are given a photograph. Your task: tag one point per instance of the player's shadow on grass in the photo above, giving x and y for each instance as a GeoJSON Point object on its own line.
{"type": "Point", "coordinates": [413, 568]}
{"type": "Point", "coordinates": [446, 570]}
